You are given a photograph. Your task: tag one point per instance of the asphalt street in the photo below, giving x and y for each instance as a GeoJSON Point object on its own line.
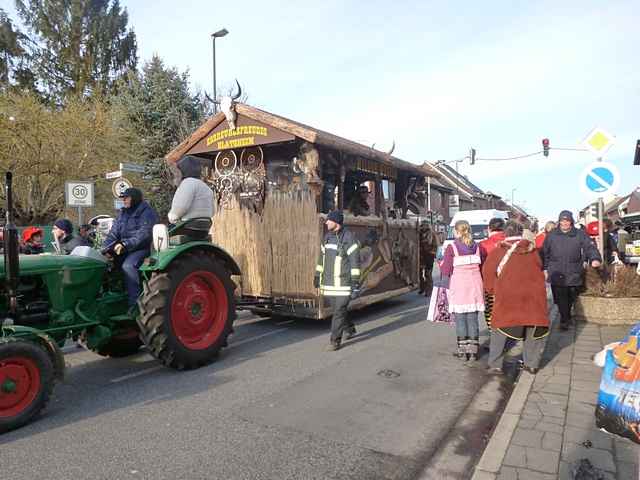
{"type": "Point", "coordinates": [275, 405]}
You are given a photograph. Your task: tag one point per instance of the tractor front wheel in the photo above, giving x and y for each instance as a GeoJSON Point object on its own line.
{"type": "Point", "coordinates": [187, 311]}
{"type": "Point", "coordinates": [26, 382]}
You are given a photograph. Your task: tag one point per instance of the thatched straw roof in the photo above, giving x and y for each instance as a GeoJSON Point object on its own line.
{"type": "Point", "coordinates": [305, 132]}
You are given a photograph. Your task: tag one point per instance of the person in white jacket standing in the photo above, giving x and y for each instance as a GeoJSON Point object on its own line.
{"type": "Point", "coordinates": [193, 198]}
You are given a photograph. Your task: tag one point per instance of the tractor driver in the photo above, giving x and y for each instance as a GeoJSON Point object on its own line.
{"type": "Point", "coordinates": [130, 239]}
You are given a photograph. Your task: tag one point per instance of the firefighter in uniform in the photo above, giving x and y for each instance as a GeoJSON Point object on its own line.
{"type": "Point", "coordinates": [338, 275]}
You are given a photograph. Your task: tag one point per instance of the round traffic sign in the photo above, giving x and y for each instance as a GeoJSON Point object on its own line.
{"type": "Point", "coordinates": [600, 179]}
{"type": "Point", "coordinates": [80, 192]}
{"type": "Point", "coordinates": [119, 186]}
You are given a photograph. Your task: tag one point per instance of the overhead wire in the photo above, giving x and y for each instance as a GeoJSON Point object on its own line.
{"type": "Point", "coordinates": [506, 159]}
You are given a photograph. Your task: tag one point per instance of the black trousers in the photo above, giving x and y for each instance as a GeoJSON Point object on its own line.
{"type": "Point", "coordinates": [340, 321]}
{"type": "Point", "coordinates": [426, 272]}
{"type": "Point", "coordinates": [564, 298]}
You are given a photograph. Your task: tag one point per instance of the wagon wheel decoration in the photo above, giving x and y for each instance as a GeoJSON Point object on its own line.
{"type": "Point", "coordinates": [225, 187]}
{"type": "Point", "coordinates": [226, 163]}
{"type": "Point", "coordinates": [251, 159]}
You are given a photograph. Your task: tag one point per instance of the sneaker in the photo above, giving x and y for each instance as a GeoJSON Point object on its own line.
{"type": "Point", "coordinates": [349, 333]}
{"type": "Point", "coordinates": [531, 370]}
{"type": "Point", "coordinates": [495, 371]}
{"type": "Point", "coordinates": [333, 346]}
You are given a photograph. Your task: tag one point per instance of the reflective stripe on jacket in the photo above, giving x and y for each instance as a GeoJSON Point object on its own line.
{"type": "Point", "coordinates": [338, 265]}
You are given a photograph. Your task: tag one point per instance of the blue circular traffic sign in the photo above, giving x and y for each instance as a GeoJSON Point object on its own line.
{"type": "Point", "coordinates": [599, 179]}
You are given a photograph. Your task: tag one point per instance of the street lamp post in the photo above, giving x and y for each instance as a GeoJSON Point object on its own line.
{"type": "Point", "coordinates": [513, 190]}
{"type": "Point", "coordinates": [218, 34]}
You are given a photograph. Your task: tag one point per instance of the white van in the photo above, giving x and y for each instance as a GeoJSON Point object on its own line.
{"type": "Point", "coordinates": [479, 221]}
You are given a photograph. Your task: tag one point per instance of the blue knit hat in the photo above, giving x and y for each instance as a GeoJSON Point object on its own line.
{"type": "Point", "coordinates": [65, 225]}
{"type": "Point", "coordinates": [336, 216]}
{"type": "Point", "coordinates": [566, 215]}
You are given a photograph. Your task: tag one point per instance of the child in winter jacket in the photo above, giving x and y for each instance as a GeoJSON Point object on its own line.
{"type": "Point", "coordinates": [32, 241]}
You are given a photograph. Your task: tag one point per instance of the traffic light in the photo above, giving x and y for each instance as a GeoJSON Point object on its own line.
{"type": "Point", "coordinates": [472, 155]}
{"type": "Point", "coordinates": [545, 147]}
{"type": "Point", "coordinates": [636, 159]}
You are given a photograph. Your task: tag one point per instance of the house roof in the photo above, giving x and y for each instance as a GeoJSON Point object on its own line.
{"type": "Point", "coordinates": [300, 130]}
{"type": "Point", "coordinates": [448, 175]}
{"type": "Point", "coordinates": [633, 208]}
{"type": "Point", "coordinates": [615, 203]}
{"type": "Point", "coordinates": [471, 187]}
{"type": "Point", "coordinates": [439, 183]}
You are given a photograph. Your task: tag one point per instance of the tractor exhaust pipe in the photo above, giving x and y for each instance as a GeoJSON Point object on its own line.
{"type": "Point", "coordinates": [11, 249]}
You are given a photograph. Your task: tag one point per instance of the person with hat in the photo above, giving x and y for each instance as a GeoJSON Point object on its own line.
{"type": "Point", "coordinates": [610, 247]}
{"type": "Point", "coordinates": [130, 238]}
{"type": "Point", "coordinates": [63, 235]}
{"type": "Point", "coordinates": [564, 252]}
{"type": "Point", "coordinates": [32, 241]}
{"type": "Point", "coordinates": [193, 198]}
{"type": "Point", "coordinates": [338, 276]}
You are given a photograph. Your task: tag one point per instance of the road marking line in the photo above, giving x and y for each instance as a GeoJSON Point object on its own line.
{"type": "Point", "coordinates": [286, 322]}
{"type": "Point", "coordinates": [137, 374]}
{"type": "Point", "coordinates": [257, 337]}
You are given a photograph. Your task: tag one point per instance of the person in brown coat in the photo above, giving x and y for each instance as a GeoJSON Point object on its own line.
{"type": "Point", "coordinates": [513, 273]}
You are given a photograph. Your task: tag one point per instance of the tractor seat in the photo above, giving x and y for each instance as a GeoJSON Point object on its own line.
{"type": "Point", "coordinates": [193, 229]}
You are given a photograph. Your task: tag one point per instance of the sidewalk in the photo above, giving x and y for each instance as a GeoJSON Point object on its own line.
{"type": "Point", "coordinates": [549, 424]}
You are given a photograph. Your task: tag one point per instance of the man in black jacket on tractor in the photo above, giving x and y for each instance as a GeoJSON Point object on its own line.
{"type": "Point", "coordinates": [338, 275]}
{"type": "Point", "coordinates": [564, 253]}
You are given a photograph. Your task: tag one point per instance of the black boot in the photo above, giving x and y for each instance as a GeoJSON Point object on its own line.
{"type": "Point", "coordinates": [472, 349]}
{"type": "Point", "coordinates": [349, 332]}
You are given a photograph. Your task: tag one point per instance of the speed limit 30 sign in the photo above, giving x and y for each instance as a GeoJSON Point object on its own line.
{"type": "Point", "coordinates": [79, 194]}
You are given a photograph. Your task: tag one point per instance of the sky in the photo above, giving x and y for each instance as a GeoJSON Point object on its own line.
{"type": "Point", "coordinates": [436, 77]}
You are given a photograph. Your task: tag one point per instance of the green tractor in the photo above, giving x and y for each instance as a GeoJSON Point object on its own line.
{"type": "Point", "coordinates": [185, 312]}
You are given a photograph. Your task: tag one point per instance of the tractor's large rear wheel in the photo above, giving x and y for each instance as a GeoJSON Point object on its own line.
{"type": "Point", "coordinates": [26, 381]}
{"type": "Point", "coordinates": [187, 311]}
